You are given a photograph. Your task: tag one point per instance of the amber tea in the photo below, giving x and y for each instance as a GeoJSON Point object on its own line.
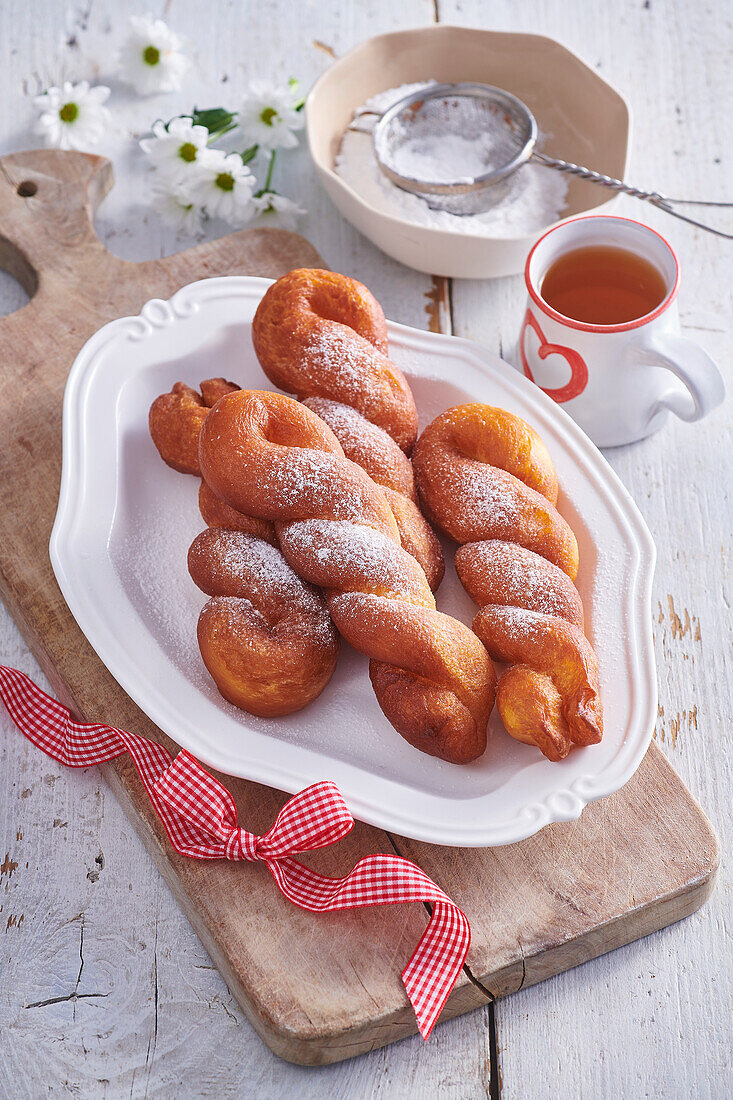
{"type": "Point", "coordinates": [603, 285]}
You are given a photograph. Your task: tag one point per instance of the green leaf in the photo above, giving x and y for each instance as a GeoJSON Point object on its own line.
{"type": "Point", "coordinates": [217, 120]}
{"type": "Point", "coordinates": [249, 154]}
{"type": "Point", "coordinates": [294, 84]}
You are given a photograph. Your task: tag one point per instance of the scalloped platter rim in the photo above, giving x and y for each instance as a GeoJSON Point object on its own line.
{"type": "Point", "coordinates": [125, 520]}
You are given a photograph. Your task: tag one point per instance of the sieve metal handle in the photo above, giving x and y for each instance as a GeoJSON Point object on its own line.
{"type": "Point", "coordinates": [363, 112]}
{"type": "Point", "coordinates": [663, 202]}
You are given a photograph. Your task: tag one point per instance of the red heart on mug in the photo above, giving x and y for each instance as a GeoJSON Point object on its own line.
{"type": "Point", "coordinates": [578, 369]}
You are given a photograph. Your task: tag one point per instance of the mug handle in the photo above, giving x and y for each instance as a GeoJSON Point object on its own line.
{"type": "Point", "coordinates": [694, 368]}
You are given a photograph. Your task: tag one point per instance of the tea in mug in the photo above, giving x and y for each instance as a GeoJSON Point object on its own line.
{"type": "Point", "coordinates": [603, 285]}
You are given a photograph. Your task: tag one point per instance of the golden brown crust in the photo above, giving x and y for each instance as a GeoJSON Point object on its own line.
{"type": "Point", "coordinates": [503, 573]}
{"type": "Point", "coordinates": [485, 477]}
{"type": "Point", "coordinates": [269, 456]}
{"type": "Point", "coordinates": [556, 648]}
{"type": "Point", "coordinates": [428, 716]}
{"type": "Point", "coordinates": [265, 636]}
{"type": "Point", "coordinates": [175, 421]}
{"type": "Point", "coordinates": [215, 513]}
{"type": "Point", "coordinates": [473, 499]}
{"type": "Point", "coordinates": [315, 333]}
{"type": "Point", "coordinates": [531, 710]}
{"type": "Point", "coordinates": [418, 537]}
{"type": "Point", "coordinates": [321, 334]}
{"type": "Point", "coordinates": [214, 388]}
{"type": "Point", "coordinates": [367, 445]}
{"type": "Point", "coordinates": [371, 448]}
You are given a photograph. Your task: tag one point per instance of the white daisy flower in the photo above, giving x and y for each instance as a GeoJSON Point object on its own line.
{"type": "Point", "coordinates": [174, 151]}
{"type": "Point", "coordinates": [73, 116]}
{"type": "Point", "coordinates": [224, 186]}
{"type": "Point", "coordinates": [175, 208]}
{"type": "Point", "coordinates": [286, 212]}
{"type": "Point", "coordinates": [268, 116]}
{"type": "Point", "coordinates": [151, 59]}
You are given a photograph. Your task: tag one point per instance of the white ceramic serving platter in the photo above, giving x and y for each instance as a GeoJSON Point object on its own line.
{"type": "Point", "coordinates": [125, 521]}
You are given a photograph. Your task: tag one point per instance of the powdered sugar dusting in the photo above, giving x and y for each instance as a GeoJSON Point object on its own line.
{"type": "Point", "coordinates": [357, 612]}
{"type": "Point", "coordinates": [519, 576]}
{"type": "Point", "coordinates": [313, 478]}
{"type": "Point", "coordinates": [517, 625]}
{"type": "Point", "coordinates": [246, 557]}
{"type": "Point", "coordinates": [347, 556]}
{"type": "Point", "coordinates": [487, 494]}
{"type": "Point", "coordinates": [240, 620]}
{"type": "Point", "coordinates": [366, 444]}
{"type": "Point", "coordinates": [240, 566]}
{"type": "Point", "coordinates": [337, 357]}
{"type": "Point", "coordinates": [156, 540]}
{"type": "Point", "coordinates": [347, 424]}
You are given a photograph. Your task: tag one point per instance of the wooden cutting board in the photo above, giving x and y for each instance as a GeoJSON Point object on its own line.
{"type": "Point", "coordinates": [316, 988]}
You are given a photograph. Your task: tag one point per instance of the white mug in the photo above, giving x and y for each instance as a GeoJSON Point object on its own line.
{"type": "Point", "coordinates": [619, 382]}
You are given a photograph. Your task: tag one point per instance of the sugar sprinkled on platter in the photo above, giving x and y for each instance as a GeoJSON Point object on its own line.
{"type": "Point", "coordinates": [535, 198]}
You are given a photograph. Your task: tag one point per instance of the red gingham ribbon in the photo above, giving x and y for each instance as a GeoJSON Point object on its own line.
{"type": "Point", "coordinates": [200, 819]}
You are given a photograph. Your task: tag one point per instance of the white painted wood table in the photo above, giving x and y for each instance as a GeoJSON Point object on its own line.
{"type": "Point", "coordinates": [104, 988]}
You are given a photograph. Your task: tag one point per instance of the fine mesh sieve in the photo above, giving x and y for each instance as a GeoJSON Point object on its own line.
{"type": "Point", "coordinates": [491, 134]}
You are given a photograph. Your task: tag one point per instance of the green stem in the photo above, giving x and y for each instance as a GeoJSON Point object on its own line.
{"type": "Point", "coordinates": [268, 179]}
{"type": "Point", "coordinates": [216, 134]}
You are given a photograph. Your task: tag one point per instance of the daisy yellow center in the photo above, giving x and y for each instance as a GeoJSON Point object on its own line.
{"type": "Point", "coordinates": [68, 112]}
{"type": "Point", "coordinates": [187, 151]}
{"type": "Point", "coordinates": [225, 180]}
{"type": "Point", "coordinates": [268, 116]}
{"type": "Point", "coordinates": [151, 55]}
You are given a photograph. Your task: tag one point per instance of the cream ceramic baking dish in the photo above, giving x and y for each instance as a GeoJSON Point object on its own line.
{"type": "Point", "coordinates": [584, 119]}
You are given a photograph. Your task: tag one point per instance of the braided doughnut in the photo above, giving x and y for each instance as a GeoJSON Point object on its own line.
{"type": "Point", "coordinates": [321, 334]}
{"type": "Point", "coordinates": [265, 636]}
{"type": "Point", "coordinates": [486, 478]}
{"type": "Point", "coordinates": [323, 337]}
{"type": "Point", "coordinates": [270, 456]}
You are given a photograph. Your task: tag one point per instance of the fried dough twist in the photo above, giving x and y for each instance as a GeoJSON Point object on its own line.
{"type": "Point", "coordinates": [323, 337]}
{"type": "Point", "coordinates": [175, 420]}
{"type": "Point", "coordinates": [486, 478]}
{"type": "Point", "coordinates": [269, 456]}
{"type": "Point", "coordinates": [265, 636]}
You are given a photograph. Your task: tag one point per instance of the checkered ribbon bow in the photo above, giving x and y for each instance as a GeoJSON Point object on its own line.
{"type": "Point", "coordinates": [200, 818]}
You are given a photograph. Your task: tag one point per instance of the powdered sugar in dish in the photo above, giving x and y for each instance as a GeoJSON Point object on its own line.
{"type": "Point", "coordinates": [535, 198]}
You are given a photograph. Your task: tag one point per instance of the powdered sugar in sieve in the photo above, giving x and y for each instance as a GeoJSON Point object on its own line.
{"type": "Point", "coordinates": [450, 142]}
